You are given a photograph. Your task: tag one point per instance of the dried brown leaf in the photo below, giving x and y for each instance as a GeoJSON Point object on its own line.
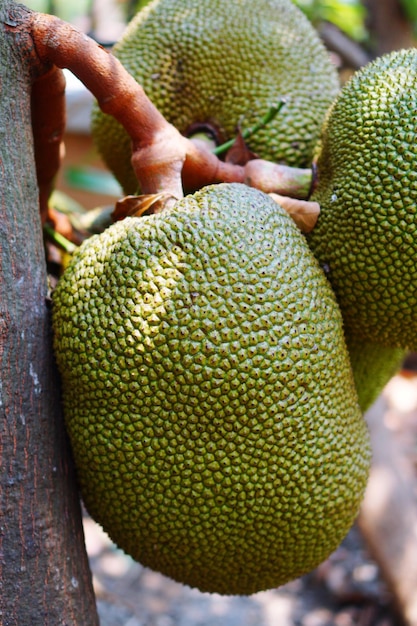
{"type": "Point", "coordinates": [304, 212]}
{"type": "Point", "coordinates": [136, 206]}
{"type": "Point", "coordinates": [239, 153]}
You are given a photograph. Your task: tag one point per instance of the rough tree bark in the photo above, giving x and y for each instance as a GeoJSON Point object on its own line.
{"type": "Point", "coordinates": [44, 569]}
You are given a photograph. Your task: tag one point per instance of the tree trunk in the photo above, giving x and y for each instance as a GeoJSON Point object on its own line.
{"type": "Point", "coordinates": [389, 27]}
{"type": "Point", "coordinates": [44, 569]}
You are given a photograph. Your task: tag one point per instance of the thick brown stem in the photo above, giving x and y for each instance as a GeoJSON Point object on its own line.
{"type": "Point", "coordinates": [162, 158]}
{"type": "Point", "coordinates": [157, 147]}
{"type": "Point", "coordinates": [48, 123]}
{"type": "Point", "coordinates": [202, 167]}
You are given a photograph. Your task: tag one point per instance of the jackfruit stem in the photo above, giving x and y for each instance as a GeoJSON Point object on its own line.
{"type": "Point", "coordinates": [158, 153]}
{"type": "Point", "coordinates": [277, 178]}
{"type": "Point", "coordinates": [162, 158]}
{"type": "Point", "coordinates": [202, 167]}
{"type": "Point", "coordinates": [48, 123]}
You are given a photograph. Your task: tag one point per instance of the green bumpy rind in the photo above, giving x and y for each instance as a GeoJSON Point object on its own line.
{"type": "Point", "coordinates": [208, 393]}
{"type": "Point", "coordinates": [366, 234]}
{"type": "Point", "coordinates": [225, 63]}
{"type": "Point", "coordinates": [373, 366]}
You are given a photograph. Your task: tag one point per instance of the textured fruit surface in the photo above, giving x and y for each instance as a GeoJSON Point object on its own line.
{"type": "Point", "coordinates": [224, 63]}
{"type": "Point", "coordinates": [373, 365]}
{"type": "Point", "coordinates": [366, 235]}
{"type": "Point", "coordinates": [208, 393]}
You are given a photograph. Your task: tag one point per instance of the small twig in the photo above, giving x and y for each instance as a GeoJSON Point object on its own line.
{"type": "Point", "coordinates": [246, 134]}
{"type": "Point", "coordinates": [59, 240]}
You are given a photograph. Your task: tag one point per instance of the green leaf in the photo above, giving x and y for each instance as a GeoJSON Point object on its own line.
{"type": "Point", "coordinates": [348, 15]}
{"type": "Point", "coordinates": [92, 179]}
{"type": "Point", "coordinates": [410, 8]}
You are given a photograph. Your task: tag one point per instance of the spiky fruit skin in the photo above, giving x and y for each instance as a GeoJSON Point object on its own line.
{"type": "Point", "coordinates": [366, 235]}
{"type": "Point", "coordinates": [208, 393]}
{"type": "Point", "coordinates": [373, 366]}
{"type": "Point", "coordinates": [223, 63]}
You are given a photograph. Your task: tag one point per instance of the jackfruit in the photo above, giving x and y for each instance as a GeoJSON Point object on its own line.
{"type": "Point", "coordinates": [366, 234]}
{"type": "Point", "coordinates": [208, 393]}
{"type": "Point", "coordinates": [217, 65]}
{"type": "Point", "coordinates": [373, 366]}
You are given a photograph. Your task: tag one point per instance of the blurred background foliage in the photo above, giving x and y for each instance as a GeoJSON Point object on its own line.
{"type": "Point", "coordinates": [355, 18]}
{"type": "Point", "coordinates": [366, 22]}
{"type": "Point", "coordinates": [348, 15]}
{"type": "Point", "coordinates": [410, 8]}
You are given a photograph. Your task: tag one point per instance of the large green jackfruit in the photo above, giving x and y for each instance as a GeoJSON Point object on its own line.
{"type": "Point", "coordinates": [366, 235]}
{"type": "Point", "coordinates": [220, 65]}
{"type": "Point", "coordinates": [208, 392]}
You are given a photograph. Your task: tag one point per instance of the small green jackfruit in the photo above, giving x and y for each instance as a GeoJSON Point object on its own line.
{"type": "Point", "coordinates": [219, 65]}
{"type": "Point", "coordinates": [373, 366]}
{"type": "Point", "coordinates": [208, 393]}
{"type": "Point", "coordinates": [366, 234]}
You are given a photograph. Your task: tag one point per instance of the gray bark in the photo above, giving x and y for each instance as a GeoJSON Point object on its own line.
{"type": "Point", "coordinates": [44, 568]}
